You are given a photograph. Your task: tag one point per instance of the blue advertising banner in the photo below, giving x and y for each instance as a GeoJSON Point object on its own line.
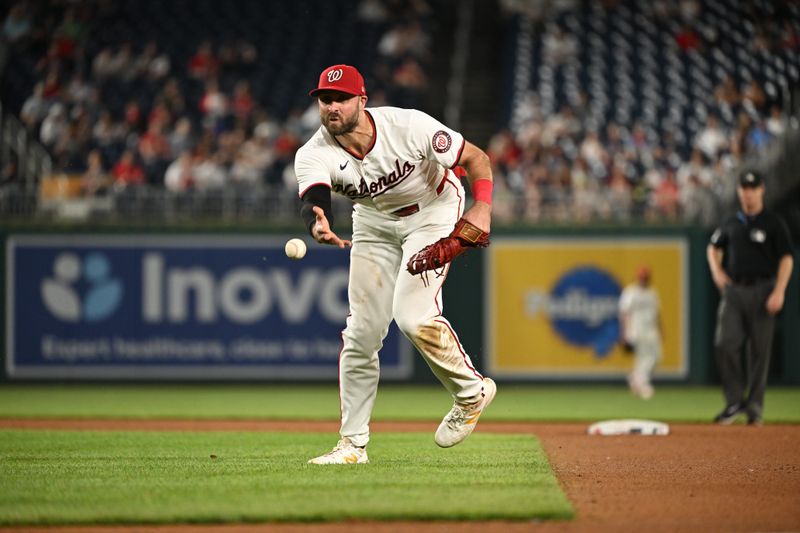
{"type": "Point", "coordinates": [178, 307]}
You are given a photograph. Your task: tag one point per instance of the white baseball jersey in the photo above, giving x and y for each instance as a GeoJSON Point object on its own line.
{"type": "Point", "coordinates": [641, 304]}
{"type": "Point", "coordinates": [402, 167]}
{"type": "Point", "coordinates": [406, 198]}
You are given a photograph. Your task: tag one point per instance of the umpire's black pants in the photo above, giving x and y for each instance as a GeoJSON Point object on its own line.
{"type": "Point", "coordinates": [742, 315]}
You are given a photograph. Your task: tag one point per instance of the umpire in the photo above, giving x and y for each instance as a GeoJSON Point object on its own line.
{"type": "Point", "coordinates": [750, 257]}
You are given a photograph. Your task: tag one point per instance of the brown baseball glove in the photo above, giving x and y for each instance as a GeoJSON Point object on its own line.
{"type": "Point", "coordinates": [435, 256]}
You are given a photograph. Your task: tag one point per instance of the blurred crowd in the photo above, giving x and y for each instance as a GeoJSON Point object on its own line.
{"type": "Point", "coordinates": [564, 166]}
{"type": "Point", "coordinates": [133, 114]}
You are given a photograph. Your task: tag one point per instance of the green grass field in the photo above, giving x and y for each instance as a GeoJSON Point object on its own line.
{"type": "Point", "coordinates": [58, 477]}
{"type": "Point", "coordinates": [76, 477]}
{"type": "Point", "coordinates": [395, 402]}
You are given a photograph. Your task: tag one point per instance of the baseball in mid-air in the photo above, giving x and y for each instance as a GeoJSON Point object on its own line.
{"type": "Point", "coordinates": [295, 249]}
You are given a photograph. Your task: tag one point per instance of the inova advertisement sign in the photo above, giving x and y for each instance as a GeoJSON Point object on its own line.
{"type": "Point", "coordinates": [175, 307]}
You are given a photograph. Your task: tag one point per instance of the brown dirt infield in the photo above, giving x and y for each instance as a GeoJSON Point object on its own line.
{"type": "Point", "coordinates": [700, 478]}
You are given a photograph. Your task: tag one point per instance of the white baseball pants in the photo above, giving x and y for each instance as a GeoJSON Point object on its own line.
{"type": "Point", "coordinates": [381, 289]}
{"type": "Point", "coordinates": [646, 356]}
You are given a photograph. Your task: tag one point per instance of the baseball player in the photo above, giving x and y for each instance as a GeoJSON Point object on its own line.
{"type": "Point", "coordinates": [640, 330]}
{"type": "Point", "coordinates": [396, 165]}
{"type": "Point", "coordinates": [750, 257]}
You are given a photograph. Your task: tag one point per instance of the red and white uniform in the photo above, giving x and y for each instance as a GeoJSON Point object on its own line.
{"type": "Point", "coordinates": [406, 197]}
{"type": "Point", "coordinates": [641, 307]}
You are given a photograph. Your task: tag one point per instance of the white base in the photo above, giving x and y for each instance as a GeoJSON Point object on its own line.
{"type": "Point", "coordinates": [628, 427]}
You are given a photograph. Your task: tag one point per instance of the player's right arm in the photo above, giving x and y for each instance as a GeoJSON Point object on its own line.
{"type": "Point", "coordinates": [714, 256]}
{"type": "Point", "coordinates": [314, 182]}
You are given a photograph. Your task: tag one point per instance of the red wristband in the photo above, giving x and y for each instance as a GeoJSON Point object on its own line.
{"type": "Point", "coordinates": [482, 190]}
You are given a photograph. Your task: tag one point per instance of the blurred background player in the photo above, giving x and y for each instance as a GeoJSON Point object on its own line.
{"type": "Point", "coordinates": [640, 330]}
{"type": "Point", "coordinates": [750, 257]}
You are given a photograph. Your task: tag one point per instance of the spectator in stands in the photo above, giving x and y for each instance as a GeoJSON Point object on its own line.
{"type": "Point", "coordinates": [666, 197]}
{"type": "Point", "coordinates": [253, 159]}
{"type": "Point", "coordinates": [753, 95]}
{"type": "Point", "coordinates": [758, 137]}
{"type": "Point", "coordinates": [214, 106]}
{"type": "Point", "coordinates": [789, 36]}
{"type": "Point", "coordinates": [698, 205]}
{"type": "Point", "coordinates": [203, 64]}
{"type": "Point", "coordinates": [159, 114]}
{"type": "Point", "coordinates": [127, 172]}
{"type": "Point", "coordinates": [34, 110]}
{"type": "Point", "coordinates": [775, 123]}
{"type": "Point", "coordinates": [122, 63]}
{"type": "Point", "coordinates": [102, 65]}
{"type": "Point", "coordinates": [52, 84]}
{"type": "Point", "coordinates": [71, 33]}
{"type": "Point", "coordinates": [107, 134]}
{"type": "Point", "coordinates": [619, 192]}
{"type": "Point", "coordinates": [689, 10]}
{"type": "Point", "coordinates": [9, 177]}
{"type": "Point", "coordinates": [53, 125]}
{"type": "Point", "coordinates": [181, 138]}
{"type": "Point", "coordinates": [96, 181]}
{"type": "Point", "coordinates": [762, 41]}
{"type": "Point", "coordinates": [17, 25]}
{"type": "Point", "coordinates": [503, 150]}
{"type": "Point", "coordinates": [133, 115]}
{"type": "Point", "coordinates": [78, 90]}
{"type": "Point", "coordinates": [172, 96]}
{"type": "Point", "coordinates": [409, 81]}
{"type": "Point", "coordinates": [593, 151]}
{"type": "Point", "coordinates": [151, 64]}
{"type": "Point", "coordinates": [711, 138]}
{"type": "Point", "coordinates": [687, 39]}
{"type": "Point", "coordinates": [560, 47]}
{"type": "Point", "coordinates": [242, 103]}
{"type": "Point", "coordinates": [179, 176]}
{"type": "Point", "coordinates": [696, 166]}
{"type": "Point", "coordinates": [406, 38]}
{"type": "Point", "coordinates": [72, 145]}
{"type": "Point", "coordinates": [154, 152]}
{"type": "Point", "coordinates": [372, 11]}
{"type": "Point", "coordinates": [209, 173]}
{"type": "Point", "coordinates": [727, 94]}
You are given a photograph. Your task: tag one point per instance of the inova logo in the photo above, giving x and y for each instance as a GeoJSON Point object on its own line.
{"type": "Point", "coordinates": [62, 297]}
{"type": "Point", "coordinates": [582, 307]}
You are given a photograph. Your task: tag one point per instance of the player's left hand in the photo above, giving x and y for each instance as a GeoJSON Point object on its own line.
{"type": "Point", "coordinates": [480, 215]}
{"type": "Point", "coordinates": [775, 302]}
{"type": "Point", "coordinates": [322, 232]}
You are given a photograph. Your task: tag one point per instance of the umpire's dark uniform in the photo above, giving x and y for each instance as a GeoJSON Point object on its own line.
{"type": "Point", "coordinates": [752, 248]}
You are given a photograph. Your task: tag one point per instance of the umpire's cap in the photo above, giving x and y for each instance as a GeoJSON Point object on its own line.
{"type": "Point", "coordinates": [750, 179]}
{"type": "Point", "coordinates": [342, 78]}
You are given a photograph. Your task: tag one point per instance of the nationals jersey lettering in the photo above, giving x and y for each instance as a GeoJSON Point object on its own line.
{"type": "Point", "coordinates": [375, 188]}
{"type": "Point", "coordinates": [404, 166]}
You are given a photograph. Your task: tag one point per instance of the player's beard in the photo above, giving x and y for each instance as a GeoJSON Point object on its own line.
{"type": "Point", "coordinates": [343, 126]}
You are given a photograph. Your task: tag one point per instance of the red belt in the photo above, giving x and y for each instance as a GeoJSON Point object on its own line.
{"type": "Point", "coordinates": [405, 211]}
{"type": "Point", "coordinates": [414, 208]}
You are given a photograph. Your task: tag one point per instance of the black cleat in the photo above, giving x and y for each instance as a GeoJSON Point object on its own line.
{"type": "Point", "coordinates": [754, 419]}
{"type": "Point", "coordinates": [729, 415]}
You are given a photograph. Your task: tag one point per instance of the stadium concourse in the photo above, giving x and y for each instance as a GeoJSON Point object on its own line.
{"type": "Point", "coordinates": [614, 111]}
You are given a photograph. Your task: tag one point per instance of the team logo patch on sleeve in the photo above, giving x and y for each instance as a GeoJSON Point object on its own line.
{"type": "Point", "coordinates": [442, 141]}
